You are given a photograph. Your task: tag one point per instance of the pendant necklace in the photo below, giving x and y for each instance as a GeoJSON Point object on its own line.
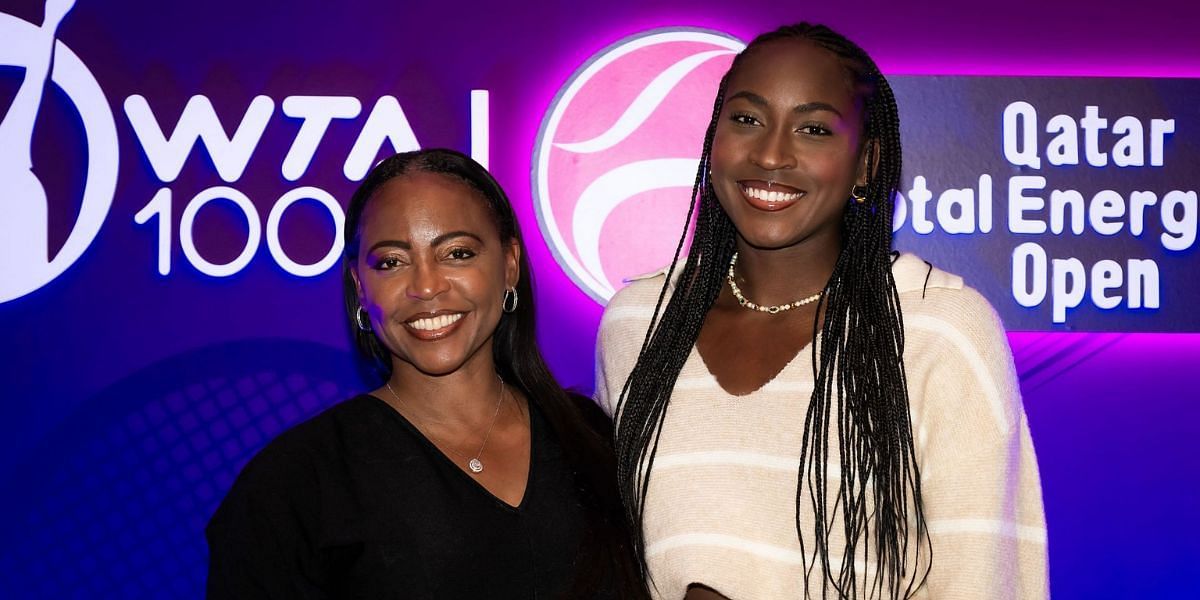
{"type": "Point", "coordinates": [473, 462]}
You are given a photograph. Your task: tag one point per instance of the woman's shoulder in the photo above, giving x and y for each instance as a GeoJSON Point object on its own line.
{"type": "Point", "coordinates": [915, 274]}
{"type": "Point", "coordinates": [631, 307]}
{"type": "Point", "coordinates": [326, 427]}
{"type": "Point", "coordinates": [641, 290]}
{"type": "Point", "coordinates": [294, 456]}
{"type": "Point", "coordinates": [926, 289]}
{"type": "Point", "coordinates": [946, 320]}
{"type": "Point", "coordinates": [956, 351]}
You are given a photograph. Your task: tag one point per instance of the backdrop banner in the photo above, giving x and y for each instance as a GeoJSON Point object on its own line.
{"type": "Point", "coordinates": [173, 179]}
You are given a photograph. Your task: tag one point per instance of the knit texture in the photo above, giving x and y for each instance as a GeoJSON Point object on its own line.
{"type": "Point", "coordinates": [721, 507]}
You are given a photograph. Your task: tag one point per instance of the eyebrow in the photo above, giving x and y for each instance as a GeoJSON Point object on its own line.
{"type": "Point", "coordinates": [437, 241]}
{"type": "Point", "coordinates": [807, 107]}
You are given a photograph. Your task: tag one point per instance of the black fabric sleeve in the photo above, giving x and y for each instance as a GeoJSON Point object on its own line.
{"type": "Point", "coordinates": [261, 539]}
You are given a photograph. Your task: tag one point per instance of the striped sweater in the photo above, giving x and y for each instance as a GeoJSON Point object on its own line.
{"type": "Point", "coordinates": [721, 507]}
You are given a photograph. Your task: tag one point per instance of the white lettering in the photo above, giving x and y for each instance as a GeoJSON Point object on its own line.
{"type": "Point", "coordinates": [1021, 146]}
{"type": "Point", "coordinates": [253, 231]}
{"type": "Point", "coordinates": [1092, 125]}
{"type": "Point", "coordinates": [920, 196]}
{"type": "Point", "coordinates": [1059, 201]}
{"type": "Point", "coordinates": [159, 206]}
{"type": "Point", "coordinates": [1138, 203]}
{"type": "Point", "coordinates": [1068, 287]}
{"type": "Point", "coordinates": [1143, 283]}
{"type": "Point", "coordinates": [985, 203]}
{"type": "Point", "coordinates": [317, 112]}
{"type": "Point", "coordinates": [385, 123]}
{"type": "Point", "coordinates": [1069, 283]}
{"type": "Point", "coordinates": [1128, 151]}
{"type": "Point", "coordinates": [1180, 231]}
{"type": "Point", "coordinates": [1063, 149]}
{"type": "Point", "coordinates": [198, 122]}
{"type": "Point", "coordinates": [899, 213]}
{"type": "Point", "coordinates": [339, 220]}
{"type": "Point", "coordinates": [1020, 131]}
{"type": "Point", "coordinates": [1159, 129]}
{"type": "Point", "coordinates": [480, 127]}
{"type": "Point", "coordinates": [1029, 274]}
{"type": "Point", "coordinates": [1106, 275]}
{"type": "Point", "coordinates": [1019, 204]}
{"type": "Point", "coordinates": [1106, 204]}
{"type": "Point", "coordinates": [964, 201]}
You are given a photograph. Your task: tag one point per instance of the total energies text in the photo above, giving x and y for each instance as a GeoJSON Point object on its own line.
{"type": "Point", "coordinates": [1036, 208]}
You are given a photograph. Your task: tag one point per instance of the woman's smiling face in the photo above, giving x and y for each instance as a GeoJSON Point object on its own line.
{"type": "Point", "coordinates": [788, 147]}
{"type": "Point", "coordinates": [432, 271]}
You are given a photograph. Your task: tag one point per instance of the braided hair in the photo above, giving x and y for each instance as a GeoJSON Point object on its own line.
{"type": "Point", "coordinates": [857, 361]}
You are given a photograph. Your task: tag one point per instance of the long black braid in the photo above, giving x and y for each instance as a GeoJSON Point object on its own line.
{"type": "Point", "coordinates": [858, 363]}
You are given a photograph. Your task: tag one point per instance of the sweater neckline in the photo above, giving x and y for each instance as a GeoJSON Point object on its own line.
{"type": "Point", "coordinates": [776, 381]}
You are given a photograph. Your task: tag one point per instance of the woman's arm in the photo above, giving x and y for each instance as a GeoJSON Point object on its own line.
{"type": "Point", "coordinates": [979, 474]}
{"type": "Point", "coordinates": [261, 538]}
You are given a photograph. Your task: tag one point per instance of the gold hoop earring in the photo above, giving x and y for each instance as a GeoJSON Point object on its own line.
{"type": "Point", "coordinates": [859, 193]}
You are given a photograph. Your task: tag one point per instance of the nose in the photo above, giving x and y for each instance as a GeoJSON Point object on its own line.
{"type": "Point", "coordinates": [772, 151]}
{"type": "Point", "coordinates": [426, 281]}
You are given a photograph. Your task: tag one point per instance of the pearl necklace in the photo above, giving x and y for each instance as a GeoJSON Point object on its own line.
{"type": "Point", "coordinates": [473, 462]}
{"type": "Point", "coordinates": [743, 301]}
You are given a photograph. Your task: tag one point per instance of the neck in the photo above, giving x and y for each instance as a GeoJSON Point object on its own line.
{"type": "Point", "coordinates": [778, 276]}
{"type": "Point", "coordinates": [468, 396]}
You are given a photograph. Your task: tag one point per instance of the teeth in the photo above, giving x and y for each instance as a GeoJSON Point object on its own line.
{"type": "Point", "coordinates": [435, 323]}
{"type": "Point", "coordinates": [771, 196]}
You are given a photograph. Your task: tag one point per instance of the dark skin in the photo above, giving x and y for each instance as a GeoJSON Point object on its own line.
{"type": "Point", "coordinates": [431, 276]}
{"type": "Point", "coordinates": [788, 148]}
{"type": "Point", "coordinates": [797, 136]}
{"type": "Point", "coordinates": [699, 592]}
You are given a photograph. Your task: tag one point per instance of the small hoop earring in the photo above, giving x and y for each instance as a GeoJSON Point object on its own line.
{"type": "Point", "coordinates": [509, 303]}
{"type": "Point", "coordinates": [859, 193]}
{"type": "Point", "coordinates": [362, 319]}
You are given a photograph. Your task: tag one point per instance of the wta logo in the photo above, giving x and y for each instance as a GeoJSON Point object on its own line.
{"type": "Point", "coordinates": [26, 263]}
{"type": "Point", "coordinates": [617, 153]}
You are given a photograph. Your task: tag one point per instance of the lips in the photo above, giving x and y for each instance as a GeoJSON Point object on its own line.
{"type": "Point", "coordinates": [769, 195]}
{"type": "Point", "coordinates": [433, 326]}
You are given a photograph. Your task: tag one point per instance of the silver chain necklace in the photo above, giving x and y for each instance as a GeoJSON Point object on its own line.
{"type": "Point", "coordinates": [473, 462]}
{"type": "Point", "coordinates": [774, 310]}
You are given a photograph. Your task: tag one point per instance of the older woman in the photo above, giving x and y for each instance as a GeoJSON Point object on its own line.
{"type": "Point", "coordinates": [469, 472]}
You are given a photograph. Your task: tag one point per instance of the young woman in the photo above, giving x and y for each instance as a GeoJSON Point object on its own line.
{"type": "Point", "coordinates": [469, 473]}
{"type": "Point", "coordinates": [801, 412]}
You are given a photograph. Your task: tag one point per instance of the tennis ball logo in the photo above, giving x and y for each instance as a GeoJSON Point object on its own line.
{"type": "Point", "coordinates": [617, 152]}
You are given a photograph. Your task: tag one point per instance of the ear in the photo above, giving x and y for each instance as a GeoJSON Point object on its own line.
{"type": "Point", "coordinates": [512, 263]}
{"type": "Point", "coordinates": [868, 161]}
{"type": "Point", "coordinates": [358, 288]}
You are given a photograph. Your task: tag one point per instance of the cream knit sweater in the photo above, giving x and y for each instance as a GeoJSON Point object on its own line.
{"type": "Point", "coordinates": [721, 507]}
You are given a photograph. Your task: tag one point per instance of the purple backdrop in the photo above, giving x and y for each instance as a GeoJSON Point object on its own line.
{"type": "Point", "coordinates": [133, 397]}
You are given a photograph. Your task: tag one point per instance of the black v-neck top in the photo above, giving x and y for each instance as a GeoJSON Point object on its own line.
{"type": "Point", "coordinates": [356, 503]}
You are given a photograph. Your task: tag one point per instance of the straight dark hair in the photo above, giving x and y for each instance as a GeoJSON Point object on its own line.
{"type": "Point", "coordinates": [608, 555]}
{"type": "Point", "coordinates": [858, 363]}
